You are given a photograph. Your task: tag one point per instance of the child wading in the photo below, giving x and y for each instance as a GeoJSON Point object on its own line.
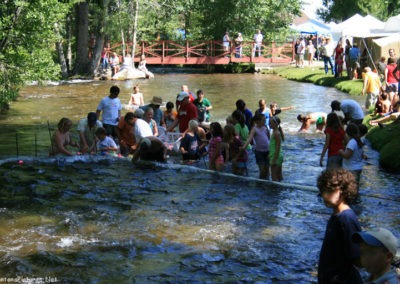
{"type": "Point", "coordinates": [260, 134]}
{"type": "Point", "coordinates": [339, 253]}
{"type": "Point", "coordinates": [215, 157]}
{"type": "Point", "coordinates": [275, 149]}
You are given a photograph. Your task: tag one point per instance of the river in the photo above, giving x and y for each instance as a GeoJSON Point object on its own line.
{"type": "Point", "coordinates": [108, 221]}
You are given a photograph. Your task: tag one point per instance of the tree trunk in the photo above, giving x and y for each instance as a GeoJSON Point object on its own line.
{"type": "Point", "coordinates": [60, 51]}
{"type": "Point", "coordinates": [82, 40]}
{"type": "Point", "coordinates": [135, 27]}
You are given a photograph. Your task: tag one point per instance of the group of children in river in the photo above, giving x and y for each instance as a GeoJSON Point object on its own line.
{"type": "Point", "coordinates": [338, 184]}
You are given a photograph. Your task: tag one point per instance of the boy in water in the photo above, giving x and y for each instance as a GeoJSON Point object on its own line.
{"type": "Point", "coordinates": [105, 143]}
{"type": "Point", "coordinates": [339, 253]}
{"type": "Point", "coordinates": [378, 249]}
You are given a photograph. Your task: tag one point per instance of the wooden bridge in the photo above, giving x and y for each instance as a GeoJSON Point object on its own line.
{"type": "Point", "coordinates": [209, 52]}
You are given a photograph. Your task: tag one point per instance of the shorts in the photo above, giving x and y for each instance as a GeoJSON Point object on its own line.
{"type": "Point", "coordinates": [334, 162]}
{"type": "Point", "coordinates": [110, 129]}
{"type": "Point", "coordinates": [301, 56]}
{"type": "Point", "coordinates": [262, 158]}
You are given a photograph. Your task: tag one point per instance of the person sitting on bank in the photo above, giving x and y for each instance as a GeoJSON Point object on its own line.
{"type": "Point", "coordinates": [142, 67]}
{"type": "Point", "coordinates": [378, 250]}
{"type": "Point", "coordinates": [87, 128]}
{"type": "Point", "coordinates": [114, 63]}
{"type": "Point", "coordinates": [150, 149]}
{"type": "Point", "coordinates": [62, 138]}
{"type": "Point", "coordinates": [317, 118]}
{"type": "Point", "coordinates": [105, 143]}
{"type": "Point", "coordinates": [392, 116]}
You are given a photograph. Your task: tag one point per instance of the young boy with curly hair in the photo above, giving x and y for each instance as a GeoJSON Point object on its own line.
{"type": "Point", "coordinates": [339, 254]}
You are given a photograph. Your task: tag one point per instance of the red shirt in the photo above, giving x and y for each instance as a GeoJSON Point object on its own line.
{"type": "Point", "coordinates": [186, 113]}
{"type": "Point", "coordinates": [336, 141]}
{"type": "Point", "coordinates": [390, 77]}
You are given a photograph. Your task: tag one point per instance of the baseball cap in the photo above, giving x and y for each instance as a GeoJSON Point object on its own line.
{"type": "Point", "coordinates": [181, 96]}
{"type": "Point", "coordinates": [138, 113]}
{"type": "Point", "coordinates": [378, 238]}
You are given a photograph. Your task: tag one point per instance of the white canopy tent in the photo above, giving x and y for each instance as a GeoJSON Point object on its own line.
{"type": "Point", "coordinates": [392, 24]}
{"type": "Point", "coordinates": [357, 26]}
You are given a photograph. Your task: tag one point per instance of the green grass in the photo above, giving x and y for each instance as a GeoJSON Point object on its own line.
{"type": "Point", "coordinates": [316, 75]}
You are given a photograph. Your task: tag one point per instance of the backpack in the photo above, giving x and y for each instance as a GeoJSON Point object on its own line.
{"type": "Point", "coordinates": [201, 114]}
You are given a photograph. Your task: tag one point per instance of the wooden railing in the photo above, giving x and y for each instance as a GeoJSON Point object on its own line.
{"type": "Point", "coordinates": [208, 52]}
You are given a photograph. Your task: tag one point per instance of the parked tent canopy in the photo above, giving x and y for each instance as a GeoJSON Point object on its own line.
{"type": "Point", "coordinates": [312, 27]}
{"type": "Point", "coordinates": [393, 24]}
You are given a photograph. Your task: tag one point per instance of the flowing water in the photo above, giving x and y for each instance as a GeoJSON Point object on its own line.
{"type": "Point", "coordinates": [104, 220]}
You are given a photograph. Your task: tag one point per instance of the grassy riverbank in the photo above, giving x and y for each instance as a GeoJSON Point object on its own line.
{"type": "Point", "coordinates": [385, 140]}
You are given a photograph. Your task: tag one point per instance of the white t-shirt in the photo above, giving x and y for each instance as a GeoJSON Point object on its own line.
{"type": "Point", "coordinates": [110, 108]}
{"type": "Point", "coordinates": [301, 48]}
{"type": "Point", "coordinates": [142, 129]}
{"type": "Point", "coordinates": [258, 38]}
{"type": "Point", "coordinates": [107, 142]}
{"type": "Point", "coordinates": [352, 108]}
{"type": "Point", "coordinates": [355, 162]}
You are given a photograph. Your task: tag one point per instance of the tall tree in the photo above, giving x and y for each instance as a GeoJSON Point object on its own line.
{"type": "Point", "coordinates": [27, 43]}
{"type": "Point", "coordinates": [341, 10]}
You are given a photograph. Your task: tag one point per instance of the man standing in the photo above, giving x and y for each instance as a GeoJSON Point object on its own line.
{"type": "Point", "coordinates": [327, 54]}
{"type": "Point", "coordinates": [226, 43]}
{"type": "Point", "coordinates": [111, 107]}
{"type": "Point", "coordinates": [351, 110]}
{"type": "Point", "coordinates": [187, 111]}
{"type": "Point", "coordinates": [301, 49]}
{"type": "Point", "coordinates": [87, 132]}
{"type": "Point", "coordinates": [354, 55]}
{"type": "Point", "coordinates": [258, 38]}
{"type": "Point", "coordinates": [371, 87]}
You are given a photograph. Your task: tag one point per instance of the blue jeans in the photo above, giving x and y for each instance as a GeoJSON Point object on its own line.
{"type": "Point", "coordinates": [328, 59]}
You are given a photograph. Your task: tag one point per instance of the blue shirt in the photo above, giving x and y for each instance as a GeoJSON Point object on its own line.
{"type": "Point", "coordinates": [338, 251]}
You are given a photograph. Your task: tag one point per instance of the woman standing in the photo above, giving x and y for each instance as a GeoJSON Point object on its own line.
{"type": "Point", "coordinates": [310, 52]}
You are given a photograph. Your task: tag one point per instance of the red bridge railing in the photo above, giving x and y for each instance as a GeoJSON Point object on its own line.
{"type": "Point", "coordinates": [208, 52]}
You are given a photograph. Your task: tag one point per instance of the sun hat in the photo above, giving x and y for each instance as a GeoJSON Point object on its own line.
{"type": "Point", "coordinates": [156, 101]}
{"type": "Point", "coordinates": [138, 113]}
{"type": "Point", "coordinates": [378, 238]}
{"type": "Point", "coordinates": [181, 96]}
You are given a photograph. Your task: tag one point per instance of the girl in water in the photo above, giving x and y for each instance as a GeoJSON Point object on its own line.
{"type": "Point", "coordinates": [334, 141]}
{"type": "Point", "coordinates": [275, 149]}
{"type": "Point", "coordinates": [260, 134]}
{"type": "Point", "coordinates": [216, 159]}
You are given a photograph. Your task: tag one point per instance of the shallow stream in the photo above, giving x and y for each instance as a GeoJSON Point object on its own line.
{"type": "Point", "coordinates": [104, 220]}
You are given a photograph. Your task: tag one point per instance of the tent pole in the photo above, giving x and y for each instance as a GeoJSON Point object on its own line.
{"type": "Point", "coordinates": [369, 54]}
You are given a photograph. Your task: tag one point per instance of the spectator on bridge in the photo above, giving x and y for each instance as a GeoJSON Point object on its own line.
{"type": "Point", "coordinates": [258, 38]}
{"type": "Point", "coordinates": [238, 45]}
{"type": "Point", "coordinates": [226, 42]}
